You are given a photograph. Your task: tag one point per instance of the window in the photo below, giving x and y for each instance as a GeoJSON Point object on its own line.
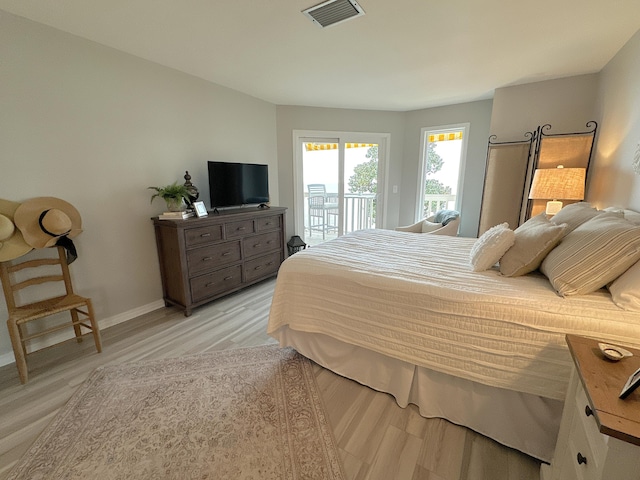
{"type": "Point", "coordinates": [442, 152]}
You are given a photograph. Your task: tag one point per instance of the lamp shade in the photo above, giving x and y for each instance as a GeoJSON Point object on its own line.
{"type": "Point", "coordinates": [558, 183]}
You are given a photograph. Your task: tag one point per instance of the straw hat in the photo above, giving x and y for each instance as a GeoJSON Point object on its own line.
{"type": "Point", "coordinates": [12, 244]}
{"type": "Point", "coordinates": [43, 221]}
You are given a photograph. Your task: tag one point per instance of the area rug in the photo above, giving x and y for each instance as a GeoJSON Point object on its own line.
{"type": "Point", "coordinates": [250, 413]}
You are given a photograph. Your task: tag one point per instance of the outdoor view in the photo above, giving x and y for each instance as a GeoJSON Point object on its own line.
{"type": "Point", "coordinates": [441, 170]}
{"type": "Point", "coordinates": [324, 219]}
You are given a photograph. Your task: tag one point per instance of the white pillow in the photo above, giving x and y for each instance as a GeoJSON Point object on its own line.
{"type": "Point", "coordinates": [625, 290]}
{"type": "Point", "coordinates": [594, 254]}
{"type": "Point", "coordinates": [428, 226]}
{"type": "Point", "coordinates": [535, 238]}
{"type": "Point", "coordinates": [633, 217]}
{"type": "Point", "coordinates": [574, 215]}
{"type": "Point", "coordinates": [491, 246]}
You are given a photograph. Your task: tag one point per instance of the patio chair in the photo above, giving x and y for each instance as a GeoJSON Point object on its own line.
{"type": "Point", "coordinates": [323, 210]}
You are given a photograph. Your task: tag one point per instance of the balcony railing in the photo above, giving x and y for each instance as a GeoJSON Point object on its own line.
{"type": "Point", "coordinates": [433, 203]}
{"type": "Point", "coordinates": [359, 212]}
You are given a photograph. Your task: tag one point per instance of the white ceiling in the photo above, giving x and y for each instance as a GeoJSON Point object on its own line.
{"type": "Point", "coordinates": [402, 55]}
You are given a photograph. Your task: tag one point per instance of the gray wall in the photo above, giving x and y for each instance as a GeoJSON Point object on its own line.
{"type": "Point", "coordinates": [613, 181]}
{"type": "Point", "coordinates": [96, 127]}
{"type": "Point", "coordinates": [567, 104]}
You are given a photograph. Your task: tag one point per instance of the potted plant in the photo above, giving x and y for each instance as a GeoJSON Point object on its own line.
{"type": "Point", "coordinates": [175, 195]}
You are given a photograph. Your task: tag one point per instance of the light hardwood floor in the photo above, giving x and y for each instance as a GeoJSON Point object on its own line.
{"type": "Point", "coordinates": [377, 439]}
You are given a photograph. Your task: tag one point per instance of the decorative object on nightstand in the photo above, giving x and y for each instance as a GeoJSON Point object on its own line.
{"type": "Point", "coordinates": [295, 244]}
{"type": "Point", "coordinates": [599, 434]}
{"type": "Point", "coordinates": [175, 195]}
{"type": "Point", "coordinates": [613, 352]}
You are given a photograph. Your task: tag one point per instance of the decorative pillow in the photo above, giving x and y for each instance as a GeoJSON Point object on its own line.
{"type": "Point", "coordinates": [428, 226]}
{"type": "Point", "coordinates": [491, 245]}
{"type": "Point", "coordinates": [625, 290]}
{"type": "Point", "coordinates": [633, 217]}
{"type": "Point", "coordinates": [575, 215]}
{"type": "Point", "coordinates": [534, 240]}
{"type": "Point", "coordinates": [594, 254]}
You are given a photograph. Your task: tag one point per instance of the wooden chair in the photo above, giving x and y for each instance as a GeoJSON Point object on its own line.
{"type": "Point", "coordinates": [33, 273]}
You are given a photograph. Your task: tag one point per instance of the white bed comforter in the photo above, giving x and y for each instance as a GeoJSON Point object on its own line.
{"type": "Point", "coordinates": [414, 297]}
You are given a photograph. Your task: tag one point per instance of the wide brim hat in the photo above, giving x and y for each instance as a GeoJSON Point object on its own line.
{"type": "Point", "coordinates": [44, 220]}
{"type": "Point", "coordinates": [12, 243]}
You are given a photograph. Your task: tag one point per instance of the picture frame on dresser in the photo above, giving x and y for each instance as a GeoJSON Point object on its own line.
{"type": "Point", "coordinates": [200, 209]}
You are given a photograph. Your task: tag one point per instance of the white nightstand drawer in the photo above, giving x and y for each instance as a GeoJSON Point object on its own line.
{"type": "Point", "coordinates": [584, 413]}
{"type": "Point", "coordinates": [586, 464]}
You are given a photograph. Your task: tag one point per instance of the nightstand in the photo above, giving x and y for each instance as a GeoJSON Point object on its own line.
{"type": "Point", "coordinates": [599, 435]}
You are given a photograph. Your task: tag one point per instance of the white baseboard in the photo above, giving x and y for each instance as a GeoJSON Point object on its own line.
{"type": "Point", "coordinates": [62, 335]}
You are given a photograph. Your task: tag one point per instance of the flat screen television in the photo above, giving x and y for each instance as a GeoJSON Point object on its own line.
{"type": "Point", "coordinates": [236, 184]}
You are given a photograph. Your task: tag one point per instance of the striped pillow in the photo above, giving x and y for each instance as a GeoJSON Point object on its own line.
{"type": "Point", "coordinates": [594, 254]}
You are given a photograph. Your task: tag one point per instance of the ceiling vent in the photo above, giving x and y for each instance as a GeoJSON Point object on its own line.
{"type": "Point", "coordinates": [333, 12]}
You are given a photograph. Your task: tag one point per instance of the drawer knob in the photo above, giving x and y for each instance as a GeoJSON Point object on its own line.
{"type": "Point", "coordinates": [587, 411]}
{"type": "Point", "coordinates": [228, 278]}
{"type": "Point", "coordinates": [258, 267]}
{"type": "Point", "coordinates": [581, 459]}
{"type": "Point", "coordinates": [256, 245]}
{"type": "Point", "coordinates": [241, 228]}
{"type": "Point", "coordinates": [205, 235]}
{"type": "Point", "coordinates": [226, 254]}
{"type": "Point", "coordinates": [206, 259]}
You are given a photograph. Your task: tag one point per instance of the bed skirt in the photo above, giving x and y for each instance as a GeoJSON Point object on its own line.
{"type": "Point", "coordinates": [522, 421]}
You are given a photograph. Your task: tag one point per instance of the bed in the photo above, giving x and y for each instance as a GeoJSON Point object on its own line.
{"type": "Point", "coordinates": [405, 314]}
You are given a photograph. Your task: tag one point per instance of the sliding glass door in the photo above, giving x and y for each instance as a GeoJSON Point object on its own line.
{"type": "Point", "coordinates": [338, 183]}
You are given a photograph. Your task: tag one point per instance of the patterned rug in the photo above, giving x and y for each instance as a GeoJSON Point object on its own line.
{"type": "Point", "coordinates": [251, 413]}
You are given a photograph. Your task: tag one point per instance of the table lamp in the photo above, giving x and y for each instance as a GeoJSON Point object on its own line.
{"type": "Point", "coordinates": [556, 184]}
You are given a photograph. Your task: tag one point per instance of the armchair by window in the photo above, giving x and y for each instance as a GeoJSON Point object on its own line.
{"type": "Point", "coordinates": [444, 222]}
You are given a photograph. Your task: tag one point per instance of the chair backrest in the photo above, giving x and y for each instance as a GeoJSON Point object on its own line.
{"type": "Point", "coordinates": [18, 275]}
{"type": "Point", "coordinates": [316, 189]}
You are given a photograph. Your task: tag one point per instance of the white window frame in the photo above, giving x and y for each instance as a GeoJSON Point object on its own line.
{"type": "Point", "coordinates": [383, 140]}
{"type": "Point", "coordinates": [424, 133]}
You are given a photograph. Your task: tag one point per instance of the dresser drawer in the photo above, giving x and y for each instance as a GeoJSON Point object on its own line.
{"type": "Point", "coordinates": [262, 266]}
{"type": "Point", "coordinates": [259, 244]}
{"type": "Point", "coordinates": [213, 256]}
{"type": "Point", "coordinates": [211, 284]}
{"type": "Point", "coordinates": [200, 236]}
{"type": "Point", "coordinates": [239, 229]}
{"type": "Point", "coordinates": [269, 223]}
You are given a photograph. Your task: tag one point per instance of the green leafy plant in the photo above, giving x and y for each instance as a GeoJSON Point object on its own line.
{"type": "Point", "coordinates": [173, 193]}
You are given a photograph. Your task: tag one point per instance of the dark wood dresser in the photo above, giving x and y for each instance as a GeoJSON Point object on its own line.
{"type": "Point", "coordinates": [202, 259]}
